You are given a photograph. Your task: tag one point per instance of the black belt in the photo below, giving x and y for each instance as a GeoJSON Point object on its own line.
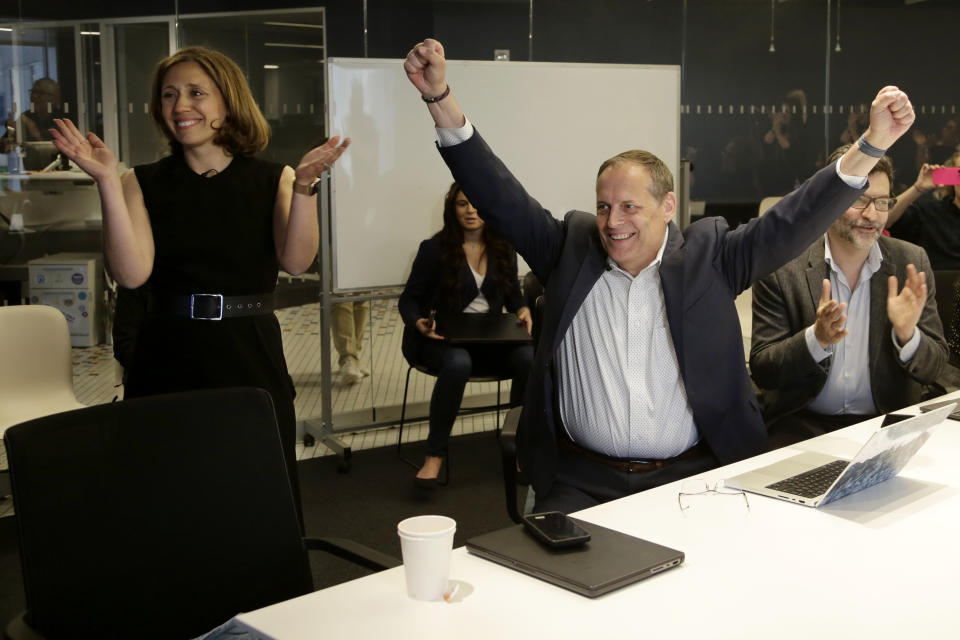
{"type": "Point", "coordinates": [631, 466]}
{"type": "Point", "coordinates": [209, 306]}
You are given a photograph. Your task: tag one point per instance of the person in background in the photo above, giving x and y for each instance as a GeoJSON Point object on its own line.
{"type": "Point", "coordinates": [639, 377]}
{"type": "Point", "coordinates": [835, 338]}
{"type": "Point", "coordinates": [348, 321]}
{"type": "Point", "coordinates": [935, 148]}
{"type": "Point", "coordinates": [465, 268]}
{"type": "Point", "coordinates": [206, 229]}
{"type": "Point", "coordinates": [928, 214]}
{"type": "Point", "coordinates": [788, 158]}
{"type": "Point", "coordinates": [33, 125]}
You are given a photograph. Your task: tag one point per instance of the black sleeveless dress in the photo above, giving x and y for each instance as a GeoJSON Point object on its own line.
{"type": "Point", "coordinates": [213, 235]}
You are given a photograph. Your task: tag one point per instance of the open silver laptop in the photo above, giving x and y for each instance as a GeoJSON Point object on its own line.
{"type": "Point", "coordinates": [815, 479]}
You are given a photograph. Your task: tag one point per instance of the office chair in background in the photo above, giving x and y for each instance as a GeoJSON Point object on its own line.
{"type": "Point", "coordinates": [158, 517]}
{"type": "Point", "coordinates": [36, 367]}
{"type": "Point", "coordinates": [464, 410]}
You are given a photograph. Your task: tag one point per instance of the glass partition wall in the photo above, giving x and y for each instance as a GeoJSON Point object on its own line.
{"type": "Point", "coordinates": [769, 88]}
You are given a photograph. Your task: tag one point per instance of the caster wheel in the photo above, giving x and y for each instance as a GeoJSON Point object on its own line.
{"type": "Point", "coordinates": [309, 440]}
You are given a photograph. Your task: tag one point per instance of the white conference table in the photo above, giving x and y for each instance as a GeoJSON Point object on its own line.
{"type": "Point", "coordinates": [882, 563]}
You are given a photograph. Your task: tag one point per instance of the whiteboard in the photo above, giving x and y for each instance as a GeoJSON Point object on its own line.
{"type": "Point", "coordinates": [553, 124]}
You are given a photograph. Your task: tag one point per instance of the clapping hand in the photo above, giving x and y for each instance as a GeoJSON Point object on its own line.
{"type": "Point", "coordinates": [904, 309]}
{"type": "Point", "coordinates": [829, 328]}
{"type": "Point", "coordinates": [87, 152]}
{"type": "Point", "coordinates": [320, 159]}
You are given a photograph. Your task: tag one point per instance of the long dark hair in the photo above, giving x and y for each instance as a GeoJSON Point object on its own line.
{"type": "Point", "coordinates": [453, 259]}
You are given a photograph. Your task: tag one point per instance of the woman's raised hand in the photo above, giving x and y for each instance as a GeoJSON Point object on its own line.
{"type": "Point", "coordinates": [320, 159]}
{"type": "Point", "coordinates": [87, 152]}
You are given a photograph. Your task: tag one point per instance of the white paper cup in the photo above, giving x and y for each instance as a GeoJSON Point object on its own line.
{"type": "Point", "coordinates": [426, 543]}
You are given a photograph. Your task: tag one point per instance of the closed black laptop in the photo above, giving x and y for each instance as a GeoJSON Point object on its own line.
{"type": "Point", "coordinates": [609, 561]}
{"type": "Point", "coordinates": [482, 327]}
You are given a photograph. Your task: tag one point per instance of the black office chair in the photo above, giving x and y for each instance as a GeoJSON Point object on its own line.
{"type": "Point", "coordinates": [158, 517]}
{"type": "Point", "coordinates": [461, 412]}
{"type": "Point", "coordinates": [947, 284]}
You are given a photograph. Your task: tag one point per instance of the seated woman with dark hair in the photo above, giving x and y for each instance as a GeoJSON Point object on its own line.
{"type": "Point", "coordinates": [465, 268]}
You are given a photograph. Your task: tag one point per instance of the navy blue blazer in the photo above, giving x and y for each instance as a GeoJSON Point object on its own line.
{"type": "Point", "coordinates": [703, 270]}
{"type": "Point", "coordinates": [423, 292]}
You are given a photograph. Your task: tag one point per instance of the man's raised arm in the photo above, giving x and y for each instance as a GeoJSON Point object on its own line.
{"type": "Point", "coordinates": [426, 68]}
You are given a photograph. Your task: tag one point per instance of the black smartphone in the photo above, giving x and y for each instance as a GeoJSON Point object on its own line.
{"type": "Point", "coordinates": [555, 529]}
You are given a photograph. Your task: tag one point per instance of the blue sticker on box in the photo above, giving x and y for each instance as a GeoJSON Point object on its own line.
{"type": "Point", "coordinates": [82, 295]}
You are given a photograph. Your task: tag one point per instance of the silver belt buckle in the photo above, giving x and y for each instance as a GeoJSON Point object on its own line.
{"type": "Point", "coordinates": [219, 296]}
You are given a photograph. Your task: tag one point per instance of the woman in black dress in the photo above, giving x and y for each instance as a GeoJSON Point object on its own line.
{"type": "Point", "coordinates": [465, 268]}
{"type": "Point", "coordinates": [206, 229]}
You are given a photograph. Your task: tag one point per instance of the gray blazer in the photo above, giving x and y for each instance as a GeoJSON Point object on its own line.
{"type": "Point", "coordinates": [785, 304]}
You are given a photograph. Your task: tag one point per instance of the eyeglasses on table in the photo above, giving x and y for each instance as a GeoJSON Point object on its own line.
{"type": "Point", "coordinates": [702, 487]}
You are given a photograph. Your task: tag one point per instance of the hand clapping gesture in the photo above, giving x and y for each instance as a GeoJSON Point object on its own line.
{"type": "Point", "coordinates": [87, 152]}
{"type": "Point", "coordinates": [904, 310]}
{"type": "Point", "coordinates": [829, 328]}
{"type": "Point", "coordinates": [319, 159]}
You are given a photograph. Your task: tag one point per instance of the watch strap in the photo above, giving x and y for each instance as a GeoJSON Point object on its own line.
{"type": "Point", "coordinates": [305, 190]}
{"type": "Point", "coordinates": [868, 149]}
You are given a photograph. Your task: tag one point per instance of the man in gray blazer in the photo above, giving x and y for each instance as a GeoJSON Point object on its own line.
{"type": "Point", "coordinates": [835, 338]}
{"type": "Point", "coordinates": [638, 377]}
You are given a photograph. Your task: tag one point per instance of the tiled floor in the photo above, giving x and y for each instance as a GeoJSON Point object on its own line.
{"type": "Point", "coordinates": [96, 381]}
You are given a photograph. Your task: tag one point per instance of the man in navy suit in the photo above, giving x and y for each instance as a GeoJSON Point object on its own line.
{"type": "Point", "coordinates": [638, 378]}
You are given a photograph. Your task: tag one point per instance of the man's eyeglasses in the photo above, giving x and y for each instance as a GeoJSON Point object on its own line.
{"type": "Point", "coordinates": [880, 204]}
{"type": "Point", "coordinates": [701, 487]}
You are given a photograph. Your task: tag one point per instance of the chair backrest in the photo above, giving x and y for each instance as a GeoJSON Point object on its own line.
{"type": "Point", "coordinates": [36, 376]}
{"type": "Point", "coordinates": [536, 313]}
{"type": "Point", "coordinates": [766, 203]}
{"type": "Point", "coordinates": [158, 517]}
{"type": "Point", "coordinates": [946, 282]}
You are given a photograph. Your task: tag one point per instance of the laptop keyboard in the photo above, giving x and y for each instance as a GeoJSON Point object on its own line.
{"type": "Point", "coordinates": [811, 484]}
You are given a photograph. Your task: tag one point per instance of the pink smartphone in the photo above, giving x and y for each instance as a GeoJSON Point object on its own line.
{"type": "Point", "coordinates": [946, 175]}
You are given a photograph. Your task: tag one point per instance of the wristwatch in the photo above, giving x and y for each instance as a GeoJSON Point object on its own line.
{"type": "Point", "coordinates": [306, 191]}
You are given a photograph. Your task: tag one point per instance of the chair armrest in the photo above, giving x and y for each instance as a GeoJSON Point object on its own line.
{"type": "Point", "coordinates": [354, 552]}
{"type": "Point", "coordinates": [508, 459]}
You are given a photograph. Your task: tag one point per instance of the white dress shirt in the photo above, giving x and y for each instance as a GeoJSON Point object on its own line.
{"type": "Point", "coordinates": [621, 393]}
